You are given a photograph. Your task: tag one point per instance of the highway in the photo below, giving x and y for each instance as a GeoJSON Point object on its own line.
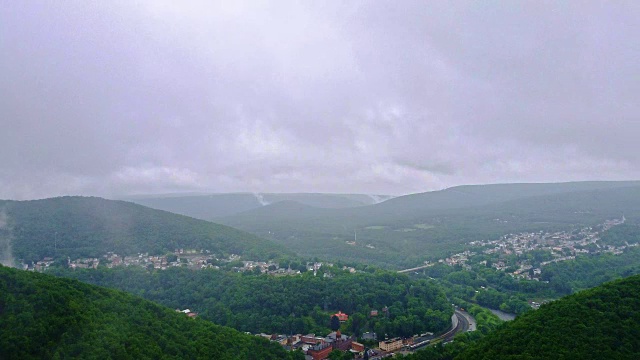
{"type": "Point", "coordinates": [463, 324]}
{"type": "Point", "coordinates": [461, 321]}
{"type": "Point", "coordinates": [415, 268]}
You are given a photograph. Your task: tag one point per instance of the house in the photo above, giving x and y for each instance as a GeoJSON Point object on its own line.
{"type": "Point", "coordinates": [311, 339]}
{"type": "Point", "coordinates": [356, 346]}
{"type": "Point", "coordinates": [374, 313]}
{"type": "Point", "coordinates": [369, 336]}
{"type": "Point", "coordinates": [320, 351]}
{"type": "Point", "coordinates": [188, 312]}
{"type": "Point", "coordinates": [341, 316]}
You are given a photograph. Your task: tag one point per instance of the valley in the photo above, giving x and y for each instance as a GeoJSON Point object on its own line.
{"type": "Point", "coordinates": [515, 258]}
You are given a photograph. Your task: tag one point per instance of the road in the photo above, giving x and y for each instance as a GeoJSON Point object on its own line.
{"type": "Point", "coordinates": [461, 321]}
{"type": "Point", "coordinates": [469, 319]}
{"type": "Point", "coordinates": [415, 268]}
{"type": "Point", "coordinates": [465, 322]}
{"type": "Point", "coordinates": [462, 326]}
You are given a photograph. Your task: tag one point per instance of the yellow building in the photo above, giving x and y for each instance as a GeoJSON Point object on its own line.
{"type": "Point", "coordinates": [391, 345]}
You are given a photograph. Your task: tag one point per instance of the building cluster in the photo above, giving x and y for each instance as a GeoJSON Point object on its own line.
{"type": "Point", "coordinates": [41, 265]}
{"type": "Point", "coordinates": [317, 347]}
{"type": "Point", "coordinates": [509, 251]}
{"type": "Point", "coordinates": [189, 258]}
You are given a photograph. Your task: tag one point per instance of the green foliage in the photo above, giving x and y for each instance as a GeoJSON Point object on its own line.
{"type": "Point", "coordinates": [600, 323]}
{"type": "Point", "coordinates": [91, 227]}
{"type": "Point", "coordinates": [486, 321]}
{"type": "Point", "coordinates": [588, 271]}
{"type": "Point", "coordinates": [340, 355]}
{"type": "Point", "coordinates": [621, 235]}
{"type": "Point", "coordinates": [288, 304]}
{"type": "Point", "coordinates": [335, 323]}
{"type": "Point", "coordinates": [449, 351]}
{"type": "Point", "coordinates": [43, 317]}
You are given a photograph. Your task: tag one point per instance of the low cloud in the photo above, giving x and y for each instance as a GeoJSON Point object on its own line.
{"type": "Point", "coordinates": [115, 98]}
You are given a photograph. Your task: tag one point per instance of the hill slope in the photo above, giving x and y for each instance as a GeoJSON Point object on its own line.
{"type": "Point", "coordinates": [415, 227]}
{"type": "Point", "coordinates": [600, 323]}
{"type": "Point", "coordinates": [87, 226]}
{"type": "Point", "coordinates": [43, 317]}
{"type": "Point", "coordinates": [211, 206]}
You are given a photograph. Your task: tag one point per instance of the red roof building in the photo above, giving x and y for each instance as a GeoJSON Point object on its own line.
{"type": "Point", "coordinates": [320, 351]}
{"type": "Point", "coordinates": [342, 316]}
{"type": "Point", "coordinates": [355, 346]}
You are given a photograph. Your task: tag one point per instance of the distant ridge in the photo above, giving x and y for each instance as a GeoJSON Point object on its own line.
{"type": "Point", "coordinates": [212, 206]}
{"type": "Point", "coordinates": [412, 228]}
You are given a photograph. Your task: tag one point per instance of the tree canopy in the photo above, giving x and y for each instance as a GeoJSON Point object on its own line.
{"type": "Point", "coordinates": [44, 317]}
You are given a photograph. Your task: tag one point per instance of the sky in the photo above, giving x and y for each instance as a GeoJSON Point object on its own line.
{"type": "Point", "coordinates": [114, 98]}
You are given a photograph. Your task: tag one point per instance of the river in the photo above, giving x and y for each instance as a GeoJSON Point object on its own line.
{"type": "Point", "coordinates": [503, 315]}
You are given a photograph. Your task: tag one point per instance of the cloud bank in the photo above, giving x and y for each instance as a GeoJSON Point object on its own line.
{"type": "Point", "coordinates": [122, 97]}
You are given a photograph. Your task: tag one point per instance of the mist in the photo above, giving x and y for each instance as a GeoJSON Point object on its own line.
{"type": "Point", "coordinates": [6, 249]}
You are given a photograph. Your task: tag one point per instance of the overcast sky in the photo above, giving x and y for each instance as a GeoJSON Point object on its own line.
{"type": "Point", "coordinates": [124, 97]}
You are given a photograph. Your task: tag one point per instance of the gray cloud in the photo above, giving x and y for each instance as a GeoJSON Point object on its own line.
{"type": "Point", "coordinates": [121, 97]}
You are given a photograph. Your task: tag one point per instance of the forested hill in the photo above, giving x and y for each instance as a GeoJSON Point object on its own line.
{"type": "Point", "coordinates": [600, 323]}
{"type": "Point", "coordinates": [44, 317]}
{"type": "Point", "coordinates": [90, 227]}
{"type": "Point", "coordinates": [288, 304]}
{"type": "Point", "coordinates": [407, 230]}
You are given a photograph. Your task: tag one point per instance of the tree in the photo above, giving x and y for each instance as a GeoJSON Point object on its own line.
{"type": "Point", "coordinates": [357, 322]}
{"type": "Point", "coordinates": [335, 323]}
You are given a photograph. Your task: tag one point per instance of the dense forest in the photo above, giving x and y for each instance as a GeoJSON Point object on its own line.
{"type": "Point", "coordinates": [44, 317]}
{"type": "Point", "coordinates": [599, 323]}
{"type": "Point", "coordinates": [91, 227]}
{"type": "Point", "coordinates": [289, 304]}
{"type": "Point", "coordinates": [587, 271]}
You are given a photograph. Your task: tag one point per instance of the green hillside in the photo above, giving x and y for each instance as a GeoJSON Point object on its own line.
{"type": "Point", "coordinates": [409, 229]}
{"type": "Point", "coordinates": [600, 323]}
{"type": "Point", "coordinates": [43, 317]}
{"type": "Point", "coordinates": [287, 304]}
{"type": "Point", "coordinates": [90, 227]}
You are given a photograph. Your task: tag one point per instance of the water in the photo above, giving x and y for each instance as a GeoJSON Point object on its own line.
{"type": "Point", "coordinates": [503, 315]}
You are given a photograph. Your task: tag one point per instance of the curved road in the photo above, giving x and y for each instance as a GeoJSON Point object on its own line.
{"type": "Point", "coordinates": [466, 322]}
{"type": "Point", "coordinates": [461, 321]}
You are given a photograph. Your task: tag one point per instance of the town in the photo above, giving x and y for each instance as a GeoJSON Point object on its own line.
{"type": "Point", "coordinates": [319, 347]}
{"type": "Point", "coordinates": [189, 258]}
{"type": "Point", "coordinates": [509, 253]}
